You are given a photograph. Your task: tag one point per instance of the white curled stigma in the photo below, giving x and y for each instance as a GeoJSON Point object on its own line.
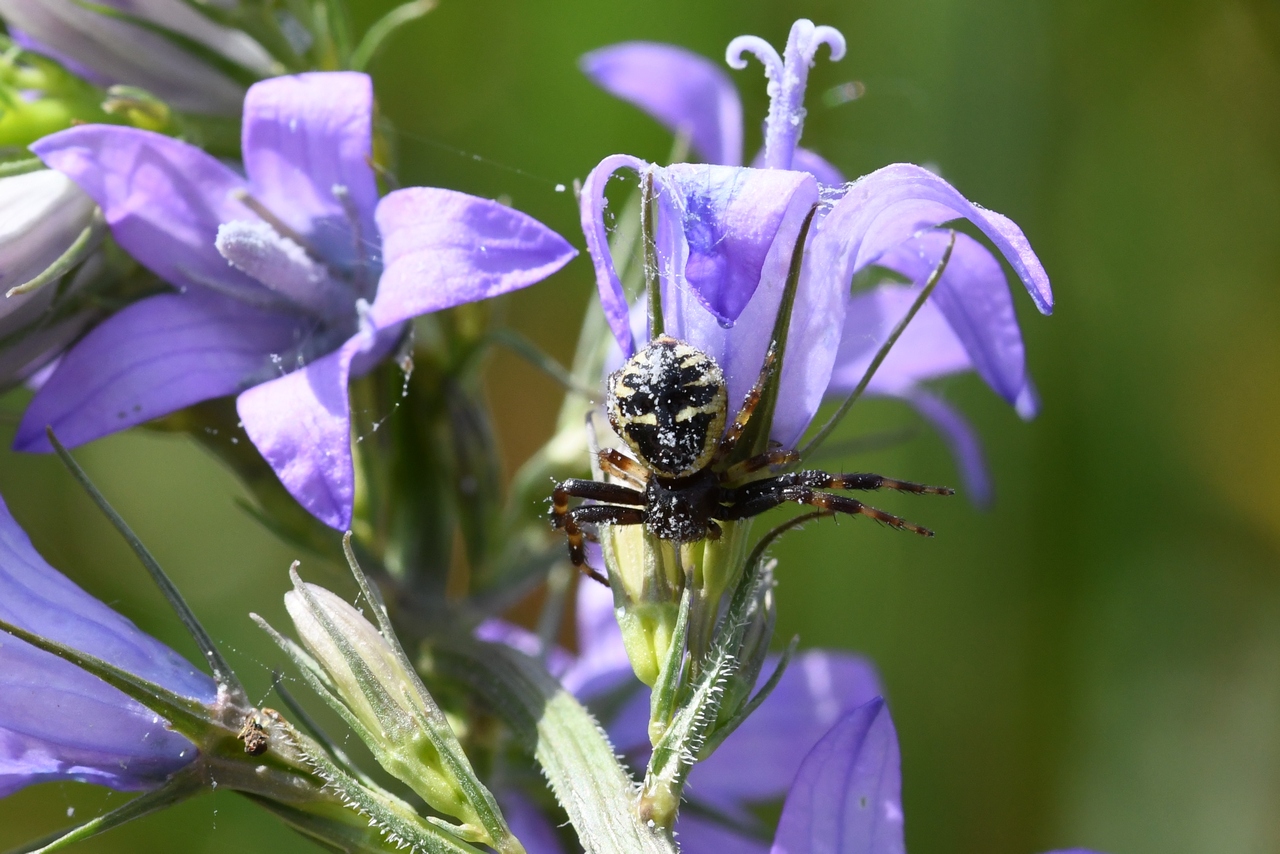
{"type": "Point", "coordinates": [788, 75]}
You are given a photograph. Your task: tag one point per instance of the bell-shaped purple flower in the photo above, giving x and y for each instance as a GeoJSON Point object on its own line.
{"type": "Point", "coordinates": [128, 47]}
{"type": "Point", "coordinates": [290, 279]}
{"type": "Point", "coordinates": [58, 722]}
{"type": "Point", "coordinates": [888, 218]}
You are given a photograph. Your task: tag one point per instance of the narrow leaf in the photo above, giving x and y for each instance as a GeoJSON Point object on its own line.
{"type": "Point", "coordinates": [181, 786]}
{"type": "Point", "coordinates": [662, 700]}
{"type": "Point", "coordinates": [222, 672]}
{"type": "Point", "coordinates": [574, 753]}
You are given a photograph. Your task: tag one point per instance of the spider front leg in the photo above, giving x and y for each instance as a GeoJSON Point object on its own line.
{"type": "Point", "coordinates": [632, 513]}
{"type": "Point", "coordinates": [595, 514]}
{"type": "Point", "coordinates": [756, 498]}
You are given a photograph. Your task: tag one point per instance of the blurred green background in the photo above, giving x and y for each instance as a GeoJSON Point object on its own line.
{"type": "Point", "coordinates": [1094, 662]}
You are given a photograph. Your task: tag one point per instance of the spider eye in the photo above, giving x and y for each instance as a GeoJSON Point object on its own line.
{"type": "Point", "coordinates": [668, 403]}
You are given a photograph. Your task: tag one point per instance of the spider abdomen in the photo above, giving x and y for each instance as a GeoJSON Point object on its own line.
{"type": "Point", "coordinates": [668, 403]}
{"type": "Point", "coordinates": [680, 509]}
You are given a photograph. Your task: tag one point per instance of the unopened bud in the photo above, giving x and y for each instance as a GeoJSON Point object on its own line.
{"type": "Point", "coordinates": [393, 713]}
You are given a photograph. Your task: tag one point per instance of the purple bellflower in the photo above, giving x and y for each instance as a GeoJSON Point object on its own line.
{"type": "Point", "coordinates": [289, 280]}
{"type": "Point", "coordinates": [58, 722]}
{"type": "Point", "coordinates": [106, 49]}
{"type": "Point", "coordinates": [823, 743]}
{"type": "Point", "coordinates": [729, 231]}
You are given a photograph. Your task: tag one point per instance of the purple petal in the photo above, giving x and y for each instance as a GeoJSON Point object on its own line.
{"type": "Point", "coordinates": [700, 835]}
{"type": "Point", "coordinates": [602, 665]}
{"type": "Point", "coordinates": [153, 358]}
{"type": "Point", "coordinates": [815, 164]}
{"type": "Point", "coordinates": [687, 92]}
{"type": "Point", "coordinates": [496, 630]}
{"type": "Point", "coordinates": [301, 424]}
{"type": "Point", "coordinates": [59, 722]}
{"type": "Point", "coordinates": [305, 136]}
{"type": "Point", "coordinates": [847, 798]}
{"type": "Point", "coordinates": [883, 209]}
{"type": "Point", "coordinates": [974, 298]}
{"type": "Point", "coordinates": [591, 205]}
{"type": "Point", "coordinates": [742, 242]}
{"type": "Point", "coordinates": [117, 51]}
{"type": "Point", "coordinates": [963, 442]}
{"type": "Point", "coordinates": [163, 199]}
{"type": "Point", "coordinates": [759, 761]}
{"type": "Point", "coordinates": [528, 823]}
{"type": "Point", "coordinates": [443, 248]}
{"type": "Point", "coordinates": [928, 348]}
{"type": "Point", "coordinates": [724, 224]}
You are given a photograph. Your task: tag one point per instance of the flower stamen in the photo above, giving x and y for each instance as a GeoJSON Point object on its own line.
{"type": "Point", "coordinates": [268, 216]}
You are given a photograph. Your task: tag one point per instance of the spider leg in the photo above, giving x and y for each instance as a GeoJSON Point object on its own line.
{"type": "Point", "coordinates": [825, 480]}
{"type": "Point", "coordinates": [595, 490]}
{"type": "Point", "coordinates": [596, 514]}
{"type": "Point", "coordinates": [760, 462]}
{"type": "Point", "coordinates": [760, 496]}
{"type": "Point", "coordinates": [618, 464]}
{"type": "Point", "coordinates": [749, 404]}
{"type": "Point", "coordinates": [713, 530]}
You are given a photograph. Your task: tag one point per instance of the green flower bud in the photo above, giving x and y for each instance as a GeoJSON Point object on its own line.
{"type": "Point", "coordinates": [392, 712]}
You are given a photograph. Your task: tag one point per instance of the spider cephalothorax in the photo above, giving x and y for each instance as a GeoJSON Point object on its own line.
{"type": "Point", "coordinates": [669, 404]}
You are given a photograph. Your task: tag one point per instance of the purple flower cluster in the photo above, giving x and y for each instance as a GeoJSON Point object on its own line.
{"type": "Point", "coordinates": [289, 279]}
{"type": "Point", "coordinates": [725, 236]}
{"type": "Point", "coordinates": [58, 722]}
{"type": "Point", "coordinates": [823, 743]}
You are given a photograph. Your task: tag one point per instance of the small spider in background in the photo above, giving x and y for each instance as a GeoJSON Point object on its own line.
{"type": "Point", "coordinates": [669, 403]}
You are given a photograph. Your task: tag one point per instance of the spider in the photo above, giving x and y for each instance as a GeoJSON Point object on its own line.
{"type": "Point", "coordinates": [669, 404]}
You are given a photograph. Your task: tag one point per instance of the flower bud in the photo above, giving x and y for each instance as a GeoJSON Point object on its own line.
{"type": "Point", "coordinates": [392, 712]}
{"type": "Point", "coordinates": [43, 215]}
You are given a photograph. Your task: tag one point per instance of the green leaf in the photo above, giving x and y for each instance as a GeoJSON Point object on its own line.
{"type": "Point", "coordinates": [574, 753]}
{"type": "Point", "coordinates": [662, 699]}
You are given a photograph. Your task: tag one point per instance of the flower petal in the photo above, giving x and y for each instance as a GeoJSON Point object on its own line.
{"type": "Point", "coordinates": [528, 823]}
{"type": "Point", "coordinates": [442, 248]}
{"type": "Point", "coordinates": [301, 424]}
{"type": "Point", "coordinates": [163, 199]}
{"type": "Point", "coordinates": [928, 348]}
{"type": "Point", "coordinates": [305, 135]}
{"type": "Point", "coordinates": [974, 298]}
{"type": "Point", "coordinates": [805, 160]}
{"type": "Point", "coordinates": [724, 224]}
{"type": "Point", "coordinates": [591, 205]}
{"type": "Point", "coordinates": [687, 92]}
{"type": "Point", "coordinates": [697, 834]}
{"type": "Point", "coordinates": [760, 760]}
{"type": "Point", "coordinates": [881, 210]}
{"type": "Point", "coordinates": [59, 722]}
{"type": "Point", "coordinates": [117, 51]}
{"type": "Point", "coordinates": [41, 215]}
{"type": "Point", "coordinates": [731, 250]}
{"type": "Point", "coordinates": [847, 796]}
{"type": "Point", "coordinates": [963, 442]}
{"type": "Point", "coordinates": [153, 358]}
